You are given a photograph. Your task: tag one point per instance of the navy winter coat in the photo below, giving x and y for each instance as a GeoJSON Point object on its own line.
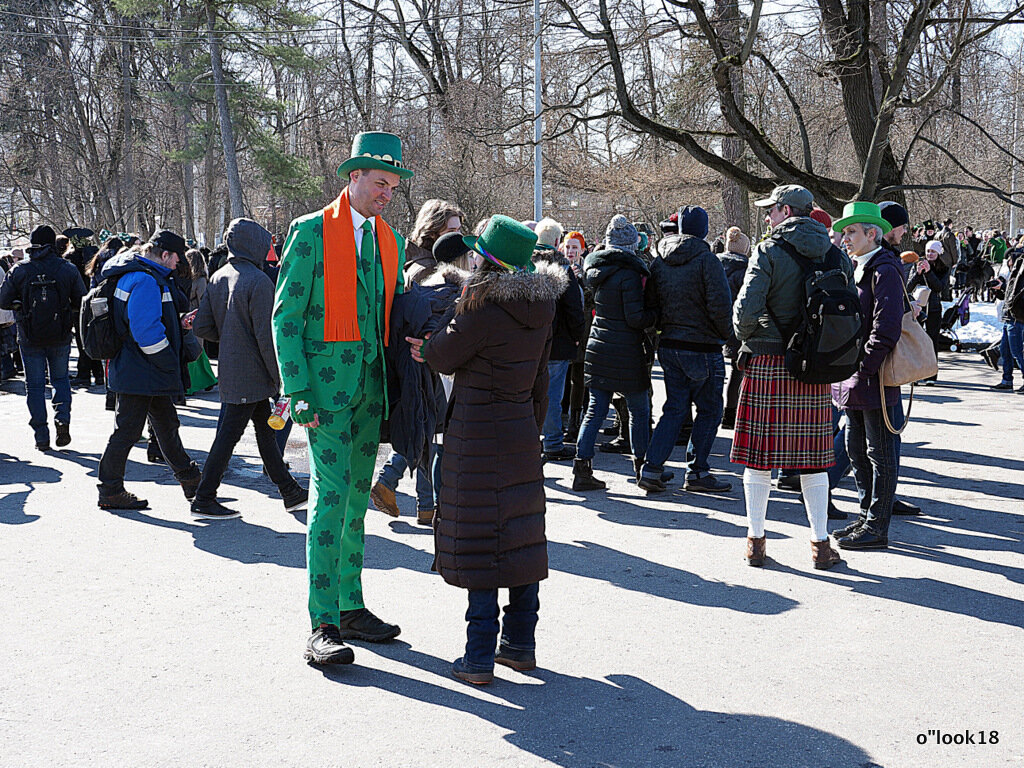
{"type": "Point", "coordinates": [44, 260]}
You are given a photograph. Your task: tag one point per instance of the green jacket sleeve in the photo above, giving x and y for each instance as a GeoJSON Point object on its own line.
{"type": "Point", "coordinates": [753, 296]}
{"type": "Point", "coordinates": [291, 301]}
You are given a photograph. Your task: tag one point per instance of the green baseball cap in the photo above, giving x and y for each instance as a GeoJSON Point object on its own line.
{"type": "Point", "coordinates": [376, 150]}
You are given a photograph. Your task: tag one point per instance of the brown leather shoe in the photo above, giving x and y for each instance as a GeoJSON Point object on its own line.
{"type": "Point", "coordinates": [824, 556]}
{"type": "Point", "coordinates": [425, 517]}
{"type": "Point", "coordinates": [755, 551]}
{"type": "Point", "coordinates": [383, 498]}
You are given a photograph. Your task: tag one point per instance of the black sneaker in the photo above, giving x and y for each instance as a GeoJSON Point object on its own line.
{"type": "Point", "coordinates": [1002, 386]}
{"type": "Point", "coordinates": [325, 646]}
{"type": "Point", "coordinates": [63, 434]}
{"type": "Point", "coordinates": [562, 454]}
{"type": "Point", "coordinates": [212, 510]}
{"type": "Point", "coordinates": [618, 445]}
{"type": "Point", "coordinates": [122, 500]}
{"type": "Point", "coordinates": [905, 508]}
{"type": "Point", "coordinates": [521, 661]}
{"type": "Point", "coordinates": [44, 447]}
{"type": "Point", "coordinates": [473, 675]}
{"type": "Point", "coordinates": [706, 484]}
{"type": "Point", "coordinates": [863, 538]}
{"type": "Point", "coordinates": [655, 484]}
{"type": "Point", "coordinates": [296, 499]}
{"type": "Point", "coordinates": [360, 624]}
{"type": "Point", "coordinates": [190, 480]}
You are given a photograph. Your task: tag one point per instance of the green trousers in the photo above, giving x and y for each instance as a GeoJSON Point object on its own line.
{"type": "Point", "coordinates": [342, 454]}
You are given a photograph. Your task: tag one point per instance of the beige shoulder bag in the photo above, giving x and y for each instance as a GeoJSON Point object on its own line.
{"type": "Point", "coordinates": [912, 359]}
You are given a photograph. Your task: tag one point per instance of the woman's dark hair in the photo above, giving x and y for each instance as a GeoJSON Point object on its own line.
{"type": "Point", "coordinates": [111, 247]}
{"type": "Point", "coordinates": [184, 269]}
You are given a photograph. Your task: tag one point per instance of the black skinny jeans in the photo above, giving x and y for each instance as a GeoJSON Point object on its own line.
{"type": "Point", "coordinates": [130, 419]}
{"type": "Point", "coordinates": [234, 418]}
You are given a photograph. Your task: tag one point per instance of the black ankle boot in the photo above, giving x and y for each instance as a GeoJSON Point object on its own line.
{"type": "Point", "coordinates": [583, 477]}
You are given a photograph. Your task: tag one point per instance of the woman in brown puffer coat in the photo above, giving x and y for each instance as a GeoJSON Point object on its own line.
{"type": "Point", "coordinates": [489, 528]}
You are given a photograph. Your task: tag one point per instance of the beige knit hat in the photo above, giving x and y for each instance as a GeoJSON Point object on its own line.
{"type": "Point", "coordinates": [736, 241]}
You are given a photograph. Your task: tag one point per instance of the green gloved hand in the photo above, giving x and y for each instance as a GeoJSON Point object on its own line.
{"type": "Point", "coordinates": [303, 413]}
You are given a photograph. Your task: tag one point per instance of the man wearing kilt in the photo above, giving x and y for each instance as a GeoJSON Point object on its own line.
{"type": "Point", "coordinates": [782, 423]}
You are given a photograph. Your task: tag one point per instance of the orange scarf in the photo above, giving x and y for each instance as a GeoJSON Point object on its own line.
{"type": "Point", "coordinates": [341, 322]}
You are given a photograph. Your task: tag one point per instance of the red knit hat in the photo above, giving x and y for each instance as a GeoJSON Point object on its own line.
{"type": "Point", "coordinates": [821, 217]}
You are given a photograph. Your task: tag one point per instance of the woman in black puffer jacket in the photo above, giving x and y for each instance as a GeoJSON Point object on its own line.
{"type": "Point", "coordinates": [617, 355]}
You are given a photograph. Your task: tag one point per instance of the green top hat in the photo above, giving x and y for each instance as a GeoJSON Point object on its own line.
{"type": "Point", "coordinates": [377, 150]}
{"type": "Point", "coordinates": [506, 243]}
{"type": "Point", "coordinates": [861, 213]}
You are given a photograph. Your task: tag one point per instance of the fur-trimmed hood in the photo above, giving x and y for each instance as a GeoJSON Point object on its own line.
{"type": "Point", "coordinates": [516, 291]}
{"type": "Point", "coordinates": [447, 274]}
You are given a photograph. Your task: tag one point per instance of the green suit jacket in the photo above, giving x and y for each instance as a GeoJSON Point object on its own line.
{"type": "Point", "coordinates": [330, 370]}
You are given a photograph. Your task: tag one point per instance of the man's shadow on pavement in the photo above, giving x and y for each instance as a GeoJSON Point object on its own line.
{"type": "Point", "coordinates": [15, 472]}
{"type": "Point", "coordinates": [621, 720]}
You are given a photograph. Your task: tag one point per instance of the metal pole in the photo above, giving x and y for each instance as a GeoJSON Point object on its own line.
{"type": "Point", "coordinates": [1016, 133]}
{"type": "Point", "coordinates": [538, 193]}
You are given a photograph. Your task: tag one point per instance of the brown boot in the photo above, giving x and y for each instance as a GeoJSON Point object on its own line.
{"type": "Point", "coordinates": [383, 498]}
{"type": "Point", "coordinates": [824, 556]}
{"type": "Point", "coordinates": [755, 551]}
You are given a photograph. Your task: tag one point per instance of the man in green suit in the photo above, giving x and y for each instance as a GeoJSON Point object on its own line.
{"type": "Point", "coordinates": [340, 270]}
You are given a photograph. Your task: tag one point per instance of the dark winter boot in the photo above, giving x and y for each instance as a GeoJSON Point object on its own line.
{"type": "Point", "coordinates": [583, 477]}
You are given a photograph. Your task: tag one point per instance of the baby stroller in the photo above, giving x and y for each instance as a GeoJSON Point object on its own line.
{"type": "Point", "coordinates": [956, 316]}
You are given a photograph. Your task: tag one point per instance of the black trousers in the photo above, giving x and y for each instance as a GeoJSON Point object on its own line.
{"type": "Point", "coordinates": [732, 393]}
{"type": "Point", "coordinates": [130, 414]}
{"type": "Point", "coordinates": [234, 418]}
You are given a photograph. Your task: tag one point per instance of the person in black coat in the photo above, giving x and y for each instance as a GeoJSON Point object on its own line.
{"type": "Point", "coordinates": [617, 351]}
{"type": "Point", "coordinates": [734, 260]}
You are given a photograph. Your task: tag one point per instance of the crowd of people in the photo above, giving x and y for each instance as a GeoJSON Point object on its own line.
{"type": "Point", "coordinates": [481, 357]}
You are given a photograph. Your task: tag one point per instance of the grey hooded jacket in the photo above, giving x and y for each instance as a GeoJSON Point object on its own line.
{"type": "Point", "coordinates": [235, 311]}
{"type": "Point", "coordinates": [774, 279]}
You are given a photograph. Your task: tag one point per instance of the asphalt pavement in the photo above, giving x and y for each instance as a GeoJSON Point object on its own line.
{"type": "Point", "coordinates": [150, 639]}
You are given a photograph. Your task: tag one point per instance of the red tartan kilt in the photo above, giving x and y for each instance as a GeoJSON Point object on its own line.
{"type": "Point", "coordinates": [782, 423]}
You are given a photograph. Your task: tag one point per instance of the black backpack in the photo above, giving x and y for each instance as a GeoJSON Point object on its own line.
{"type": "Point", "coordinates": [823, 345]}
{"type": "Point", "coordinates": [45, 313]}
{"type": "Point", "coordinates": [100, 337]}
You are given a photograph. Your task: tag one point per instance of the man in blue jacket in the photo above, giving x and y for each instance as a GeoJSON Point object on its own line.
{"type": "Point", "coordinates": [150, 371]}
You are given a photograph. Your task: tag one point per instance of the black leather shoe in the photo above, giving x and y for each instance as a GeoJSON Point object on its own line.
{"type": "Point", "coordinates": [469, 674]}
{"type": "Point", "coordinates": [900, 507]}
{"type": "Point", "coordinates": [863, 538]}
{"type": "Point", "coordinates": [562, 454]}
{"type": "Point", "coordinates": [1002, 386]}
{"type": "Point", "coordinates": [360, 624]}
{"type": "Point", "coordinates": [325, 646]}
{"type": "Point", "coordinates": [190, 480]}
{"type": "Point", "coordinates": [618, 445]}
{"type": "Point", "coordinates": [846, 530]}
{"type": "Point", "coordinates": [521, 661]}
{"type": "Point", "coordinates": [122, 500]}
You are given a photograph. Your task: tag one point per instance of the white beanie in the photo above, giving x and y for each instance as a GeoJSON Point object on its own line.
{"type": "Point", "coordinates": [933, 245]}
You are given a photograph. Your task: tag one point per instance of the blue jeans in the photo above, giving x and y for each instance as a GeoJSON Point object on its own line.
{"type": "Point", "coordinates": [517, 630]}
{"type": "Point", "coordinates": [697, 377]}
{"type": "Point", "coordinates": [639, 406]}
{"type": "Point", "coordinates": [396, 466]}
{"type": "Point", "coordinates": [1013, 336]}
{"type": "Point", "coordinates": [875, 455]}
{"type": "Point", "coordinates": [36, 361]}
{"type": "Point", "coordinates": [557, 370]}
{"type": "Point", "coordinates": [435, 473]}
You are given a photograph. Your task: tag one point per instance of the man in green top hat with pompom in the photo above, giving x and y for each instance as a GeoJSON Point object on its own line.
{"type": "Point", "coordinates": [340, 270]}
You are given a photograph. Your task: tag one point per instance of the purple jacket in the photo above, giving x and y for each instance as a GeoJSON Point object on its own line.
{"type": "Point", "coordinates": [880, 288]}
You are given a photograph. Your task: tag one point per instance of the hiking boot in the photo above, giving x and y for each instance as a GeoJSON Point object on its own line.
{"type": "Point", "coordinates": [863, 538]}
{"type": "Point", "coordinates": [471, 674]}
{"type": "Point", "coordinates": [122, 500]}
{"type": "Point", "coordinates": [296, 499]}
{"type": "Point", "coordinates": [520, 661]}
{"type": "Point", "coordinates": [706, 484]}
{"type": "Point", "coordinates": [905, 508]}
{"type": "Point", "coordinates": [824, 556]}
{"type": "Point", "coordinates": [1002, 386]}
{"type": "Point", "coordinates": [212, 510]}
{"type": "Point", "coordinates": [562, 454]}
{"type": "Point", "coordinates": [63, 433]}
{"type": "Point", "coordinates": [325, 646]}
{"type": "Point", "coordinates": [583, 476]}
{"type": "Point", "coordinates": [425, 517]}
{"type": "Point", "coordinates": [383, 498]}
{"type": "Point", "coordinates": [360, 624]}
{"type": "Point", "coordinates": [755, 551]}
{"type": "Point", "coordinates": [618, 445]}
{"type": "Point", "coordinates": [190, 480]}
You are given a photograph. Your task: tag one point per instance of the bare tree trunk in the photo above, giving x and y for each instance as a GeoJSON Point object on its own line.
{"type": "Point", "coordinates": [227, 133]}
{"type": "Point", "coordinates": [129, 199]}
{"type": "Point", "coordinates": [735, 197]}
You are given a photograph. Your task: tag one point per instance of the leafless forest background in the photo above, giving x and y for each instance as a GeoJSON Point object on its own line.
{"type": "Point", "coordinates": [129, 114]}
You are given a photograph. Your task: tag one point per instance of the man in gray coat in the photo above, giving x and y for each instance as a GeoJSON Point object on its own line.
{"type": "Point", "coordinates": [235, 312]}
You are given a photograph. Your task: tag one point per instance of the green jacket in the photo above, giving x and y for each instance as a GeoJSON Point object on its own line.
{"type": "Point", "coordinates": [330, 370]}
{"type": "Point", "coordinates": [774, 279]}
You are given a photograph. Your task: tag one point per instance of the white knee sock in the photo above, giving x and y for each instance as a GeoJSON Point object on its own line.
{"type": "Point", "coordinates": [815, 488]}
{"type": "Point", "coordinates": [757, 484]}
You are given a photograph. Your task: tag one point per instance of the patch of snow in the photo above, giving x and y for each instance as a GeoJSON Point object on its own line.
{"type": "Point", "coordinates": [984, 328]}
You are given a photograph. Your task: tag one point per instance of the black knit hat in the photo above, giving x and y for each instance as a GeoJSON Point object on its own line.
{"type": "Point", "coordinates": [43, 235]}
{"type": "Point", "coordinates": [449, 247]}
{"type": "Point", "coordinates": [169, 241]}
{"type": "Point", "coordinates": [894, 213]}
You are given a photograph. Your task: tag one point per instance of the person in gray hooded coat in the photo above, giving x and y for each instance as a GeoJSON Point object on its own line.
{"type": "Point", "coordinates": [235, 312]}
